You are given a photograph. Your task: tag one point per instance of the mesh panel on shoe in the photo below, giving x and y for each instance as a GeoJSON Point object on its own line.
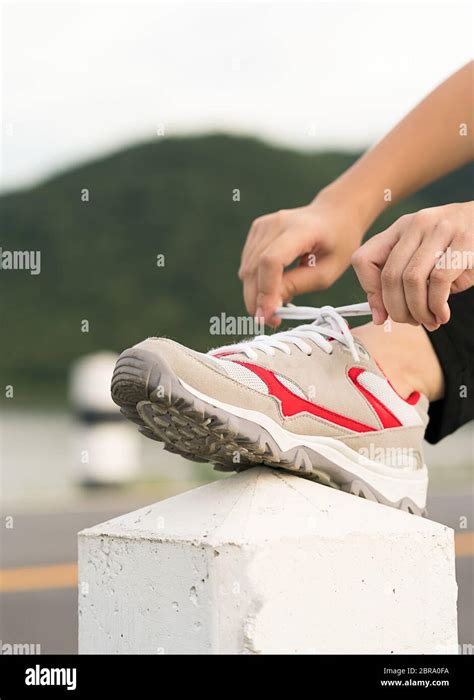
{"type": "Point", "coordinates": [381, 389]}
{"type": "Point", "coordinates": [243, 376]}
{"type": "Point", "coordinates": [291, 386]}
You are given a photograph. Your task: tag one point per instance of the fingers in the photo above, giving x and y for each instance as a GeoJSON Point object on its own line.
{"type": "Point", "coordinates": [464, 281]}
{"type": "Point", "coordinates": [453, 269]}
{"type": "Point", "coordinates": [439, 289]}
{"type": "Point", "coordinates": [308, 278]}
{"type": "Point", "coordinates": [261, 226]}
{"type": "Point", "coordinates": [250, 294]}
{"type": "Point", "coordinates": [271, 266]}
{"type": "Point", "coordinates": [407, 270]}
{"type": "Point", "coordinates": [392, 276]}
{"type": "Point", "coordinates": [268, 283]}
{"type": "Point", "coordinates": [262, 232]}
{"type": "Point", "coordinates": [368, 262]}
{"type": "Point", "coordinates": [417, 275]}
{"type": "Point", "coordinates": [274, 242]}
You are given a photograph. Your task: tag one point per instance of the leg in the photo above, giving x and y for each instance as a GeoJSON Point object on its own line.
{"type": "Point", "coordinates": [406, 356]}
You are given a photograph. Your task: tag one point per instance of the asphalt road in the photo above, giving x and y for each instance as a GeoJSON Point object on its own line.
{"type": "Point", "coordinates": [46, 612]}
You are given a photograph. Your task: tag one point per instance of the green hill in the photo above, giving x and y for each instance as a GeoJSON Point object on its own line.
{"type": "Point", "coordinates": [172, 197]}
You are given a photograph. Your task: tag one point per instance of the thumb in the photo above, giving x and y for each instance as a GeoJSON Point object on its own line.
{"type": "Point", "coordinates": [308, 277]}
{"type": "Point", "coordinates": [271, 272]}
{"type": "Point", "coordinates": [368, 262]}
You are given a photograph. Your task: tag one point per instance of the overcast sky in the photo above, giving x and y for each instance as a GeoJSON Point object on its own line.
{"type": "Point", "coordinates": [81, 79]}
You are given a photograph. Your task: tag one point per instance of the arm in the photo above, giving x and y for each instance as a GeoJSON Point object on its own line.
{"type": "Point", "coordinates": [435, 138]}
{"type": "Point", "coordinates": [428, 143]}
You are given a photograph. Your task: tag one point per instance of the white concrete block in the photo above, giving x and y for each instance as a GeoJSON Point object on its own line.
{"type": "Point", "coordinates": [267, 562]}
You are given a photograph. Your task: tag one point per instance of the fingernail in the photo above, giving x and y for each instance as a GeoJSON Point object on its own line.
{"type": "Point", "coordinates": [259, 316]}
{"type": "Point", "coordinates": [376, 317]}
{"type": "Point", "coordinates": [274, 322]}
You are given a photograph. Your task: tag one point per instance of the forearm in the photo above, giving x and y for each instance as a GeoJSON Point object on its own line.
{"type": "Point", "coordinates": [428, 143]}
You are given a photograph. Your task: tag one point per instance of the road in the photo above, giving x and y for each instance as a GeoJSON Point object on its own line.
{"type": "Point", "coordinates": [38, 603]}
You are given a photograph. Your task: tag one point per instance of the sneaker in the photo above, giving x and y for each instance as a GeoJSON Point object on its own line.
{"type": "Point", "coordinates": [310, 399]}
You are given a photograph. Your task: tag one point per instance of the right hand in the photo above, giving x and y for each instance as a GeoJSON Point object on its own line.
{"type": "Point", "coordinates": [323, 235]}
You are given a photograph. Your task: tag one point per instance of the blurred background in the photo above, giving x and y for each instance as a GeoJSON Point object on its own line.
{"type": "Point", "coordinates": [126, 130]}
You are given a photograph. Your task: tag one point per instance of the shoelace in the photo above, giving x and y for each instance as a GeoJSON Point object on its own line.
{"type": "Point", "coordinates": [328, 322]}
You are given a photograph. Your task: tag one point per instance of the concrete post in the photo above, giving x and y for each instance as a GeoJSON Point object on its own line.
{"type": "Point", "coordinates": [267, 562]}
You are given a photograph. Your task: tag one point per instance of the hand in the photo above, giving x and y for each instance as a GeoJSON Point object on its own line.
{"type": "Point", "coordinates": [409, 270]}
{"type": "Point", "coordinates": [323, 235]}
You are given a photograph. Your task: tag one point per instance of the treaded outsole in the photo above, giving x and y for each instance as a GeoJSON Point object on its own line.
{"type": "Point", "coordinates": [149, 394]}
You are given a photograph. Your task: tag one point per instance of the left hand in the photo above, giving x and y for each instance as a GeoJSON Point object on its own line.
{"type": "Point", "coordinates": [409, 270]}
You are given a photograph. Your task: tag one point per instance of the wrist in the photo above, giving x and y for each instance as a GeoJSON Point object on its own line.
{"type": "Point", "coordinates": [360, 198]}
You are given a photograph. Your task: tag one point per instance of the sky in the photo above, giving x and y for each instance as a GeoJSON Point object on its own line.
{"type": "Point", "coordinates": [83, 79]}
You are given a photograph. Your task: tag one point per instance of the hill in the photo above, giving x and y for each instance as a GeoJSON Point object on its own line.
{"type": "Point", "coordinates": [172, 197]}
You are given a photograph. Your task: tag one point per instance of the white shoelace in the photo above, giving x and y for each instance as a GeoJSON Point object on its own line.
{"type": "Point", "coordinates": [328, 322]}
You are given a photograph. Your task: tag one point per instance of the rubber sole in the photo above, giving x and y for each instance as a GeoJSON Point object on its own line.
{"type": "Point", "coordinates": [151, 395]}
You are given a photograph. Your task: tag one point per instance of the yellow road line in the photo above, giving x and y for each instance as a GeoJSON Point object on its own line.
{"type": "Point", "coordinates": [464, 542]}
{"type": "Point", "coordinates": [38, 578]}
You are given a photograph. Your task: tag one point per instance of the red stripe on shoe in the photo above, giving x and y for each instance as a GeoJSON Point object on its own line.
{"type": "Point", "coordinates": [412, 399]}
{"type": "Point", "coordinates": [291, 404]}
{"type": "Point", "coordinates": [386, 416]}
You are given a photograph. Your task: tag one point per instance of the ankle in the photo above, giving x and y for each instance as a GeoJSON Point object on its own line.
{"type": "Point", "coordinates": [406, 357]}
